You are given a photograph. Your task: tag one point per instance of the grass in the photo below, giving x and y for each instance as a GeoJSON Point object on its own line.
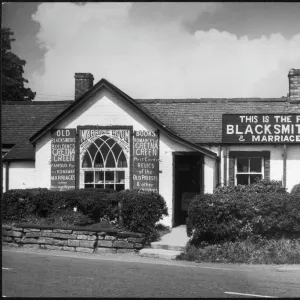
{"type": "Point", "coordinates": [250, 251]}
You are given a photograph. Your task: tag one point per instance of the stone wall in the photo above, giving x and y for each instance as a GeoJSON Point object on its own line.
{"type": "Point", "coordinates": [79, 239]}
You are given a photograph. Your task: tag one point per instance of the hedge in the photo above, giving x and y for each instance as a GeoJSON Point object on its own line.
{"type": "Point", "coordinates": [19, 205]}
{"type": "Point", "coordinates": [296, 190]}
{"type": "Point", "coordinates": [237, 215]}
{"type": "Point", "coordinates": [141, 210]}
{"type": "Point", "coordinates": [260, 186]}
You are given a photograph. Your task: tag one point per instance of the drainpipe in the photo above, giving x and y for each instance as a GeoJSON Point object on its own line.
{"type": "Point", "coordinates": [225, 166]}
{"type": "Point", "coordinates": [219, 166]}
{"type": "Point", "coordinates": [284, 166]}
{"type": "Point", "coordinates": [6, 176]}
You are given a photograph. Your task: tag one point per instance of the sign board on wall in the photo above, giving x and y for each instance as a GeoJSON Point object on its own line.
{"type": "Point", "coordinates": [146, 160]}
{"type": "Point", "coordinates": [63, 159]}
{"type": "Point", "coordinates": [261, 128]}
{"type": "Point", "coordinates": [87, 135]}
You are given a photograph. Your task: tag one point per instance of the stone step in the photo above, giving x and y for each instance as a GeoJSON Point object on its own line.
{"type": "Point", "coordinates": [167, 247]}
{"type": "Point", "coordinates": [159, 253]}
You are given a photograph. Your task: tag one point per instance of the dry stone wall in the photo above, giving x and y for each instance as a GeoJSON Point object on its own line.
{"type": "Point", "coordinates": [79, 239]}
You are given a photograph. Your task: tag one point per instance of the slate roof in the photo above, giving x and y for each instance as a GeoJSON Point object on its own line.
{"type": "Point", "coordinates": [103, 83]}
{"type": "Point", "coordinates": [20, 120]}
{"type": "Point", "coordinates": [200, 120]}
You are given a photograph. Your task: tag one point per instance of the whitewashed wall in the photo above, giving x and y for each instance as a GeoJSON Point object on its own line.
{"type": "Point", "coordinates": [276, 161]}
{"type": "Point", "coordinates": [292, 166]}
{"type": "Point", "coordinates": [107, 109]}
{"type": "Point", "coordinates": [21, 175]}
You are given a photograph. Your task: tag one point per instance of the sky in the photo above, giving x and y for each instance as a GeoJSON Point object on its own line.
{"type": "Point", "coordinates": [158, 49]}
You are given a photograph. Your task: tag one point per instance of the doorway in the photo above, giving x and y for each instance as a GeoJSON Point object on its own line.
{"type": "Point", "coordinates": [188, 182]}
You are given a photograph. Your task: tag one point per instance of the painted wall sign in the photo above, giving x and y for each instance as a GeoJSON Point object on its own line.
{"type": "Point", "coordinates": [87, 136]}
{"type": "Point", "coordinates": [63, 159]}
{"type": "Point", "coordinates": [146, 160]}
{"type": "Point", "coordinates": [261, 128]}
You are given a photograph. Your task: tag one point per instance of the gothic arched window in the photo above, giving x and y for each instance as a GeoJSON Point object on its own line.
{"type": "Point", "coordinates": [104, 163]}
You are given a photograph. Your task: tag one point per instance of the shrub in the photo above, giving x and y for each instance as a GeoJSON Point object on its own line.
{"type": "Point", "coordinates": [141, 210]}
{"type": "Point", "coordinates": [255, 250]}
{"type": "Point", "coordinates": [19, 205]}
{"type": "Point", "coordinates": [296, 190]}
{"type": "Point", "coordinates": [260, 186]}
{"type": "Point", "coordinates": [237, 215]}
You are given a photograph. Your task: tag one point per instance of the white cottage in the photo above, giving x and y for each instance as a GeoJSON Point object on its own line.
{"type": "Point", "coordinates": [178, 147]}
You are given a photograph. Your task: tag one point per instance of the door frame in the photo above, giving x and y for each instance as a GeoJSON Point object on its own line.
{"type": "Point", "coordinates": [181, 153]}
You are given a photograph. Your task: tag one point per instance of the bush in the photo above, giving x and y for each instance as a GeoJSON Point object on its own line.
{"type": "Point", "coordinates": [260, 186]}
{"type": "Point", "coordinates": [238, 215]}
{"type": "Point", "coordinates": [141, 210]}
{"type": "Point", "coordinates": [296, 190]}
{"type": "Point", "coordinates": [249, 251]}
{"type": "Point", "coordinates": [19, 205]}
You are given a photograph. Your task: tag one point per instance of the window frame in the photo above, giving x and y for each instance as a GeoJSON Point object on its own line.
{"type": "Point", "coordinates": [236, 173]}
{"type": "Point", "coordinates": [105, 169]}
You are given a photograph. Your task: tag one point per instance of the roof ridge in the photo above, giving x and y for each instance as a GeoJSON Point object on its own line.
{"type": "Point", "coordinates": [199, 100]}
{"type": "Point", "coordinates": [37, 102]}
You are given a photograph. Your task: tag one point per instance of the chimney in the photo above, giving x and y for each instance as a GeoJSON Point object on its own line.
{"type": "Point", "coordinates": [294, 85]}
{"type": "Point", "coordinates": [83, 82]}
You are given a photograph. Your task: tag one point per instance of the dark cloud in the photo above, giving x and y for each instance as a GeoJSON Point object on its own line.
{"type": "Point", "coordinates": [251, 19]}
{"type": "Point", "coordinates": [17, 16]}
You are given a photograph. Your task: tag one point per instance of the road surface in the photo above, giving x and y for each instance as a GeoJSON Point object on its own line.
{"type": "Point", "coordinates": [40, 273]}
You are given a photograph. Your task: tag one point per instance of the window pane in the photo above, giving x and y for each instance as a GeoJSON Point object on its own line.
{"type": "Point", "coordinates": [88, 186]}
{"type": "Point", "coordinates": [120, 176]}
{"type": "Point", "coordinates": [110, 142]}
{"type": "Point", "coordinates": [109, 186]}
{"type": "Point", "coordinates": [99, 186]}
{"type": "Point", "coordinates": [120, 187]}
{"type": "Point", "coordinates": [104, 137]}
{"type": "Point", "coordinates": [109, 176]}
{"type": "Point", "coordinates": [98, 161]}
{"type": "Point", "coordinates": [99, 177]}
{"type": "Point", "coordinates": [104, 150]}
{"type": "Point", "coordinates": [255, 164]}
{"type": "Point", "coordinates": [110, 161]}
{"type": "Point", "coordinates": [98, 142]}
{"type": "Point", "coordinates": [116, 150]}
{"type": "Point", "coordinates": [93, 149]}
{"type": "Point", "coordinates": [242, 164]}
{"type": "Point", "coordinates": [88, 176]}
{"type": "Point", "coordinates": [122, 162]}
{"type": "Point", "coordinates": [242, 179]}
{"type": "Point", "coordinates": [86, 163]}
{"type": "Point", "coordinates": [254, 178]}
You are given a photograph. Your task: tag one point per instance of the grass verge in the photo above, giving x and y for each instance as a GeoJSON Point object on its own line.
{"type": "Point", "coordinates": [250, 251]}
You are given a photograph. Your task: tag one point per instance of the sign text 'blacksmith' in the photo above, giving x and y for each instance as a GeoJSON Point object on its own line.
{"type": "Point", "coordinates": [261, 128]}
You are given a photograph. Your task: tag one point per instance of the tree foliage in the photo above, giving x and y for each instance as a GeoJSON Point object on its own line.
{"type": "Point", "coordinates": [13, 88]}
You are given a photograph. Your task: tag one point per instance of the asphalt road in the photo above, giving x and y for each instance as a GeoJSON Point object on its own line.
{"type": "Point", "coordinates": [42, 273]}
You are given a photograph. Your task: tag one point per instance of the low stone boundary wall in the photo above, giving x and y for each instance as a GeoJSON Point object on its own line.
{"type": "Point", "coordinates": [80, 239]}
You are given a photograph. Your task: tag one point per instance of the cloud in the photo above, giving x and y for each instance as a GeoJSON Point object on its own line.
{"type": "Point", "coordinates": [148, 53]}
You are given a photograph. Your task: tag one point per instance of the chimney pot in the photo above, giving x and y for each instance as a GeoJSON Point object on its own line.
{"type": "Point", "coordinates": [294, 85]}
{"type": "Point", "coordinates": [83, 82]}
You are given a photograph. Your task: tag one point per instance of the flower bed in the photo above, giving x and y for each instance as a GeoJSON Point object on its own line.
{"type": "Point", "coordinates": [79, 239]}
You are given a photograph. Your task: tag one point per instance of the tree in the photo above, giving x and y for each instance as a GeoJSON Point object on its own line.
{"type": "Point", "coordinates": [12, 80]}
